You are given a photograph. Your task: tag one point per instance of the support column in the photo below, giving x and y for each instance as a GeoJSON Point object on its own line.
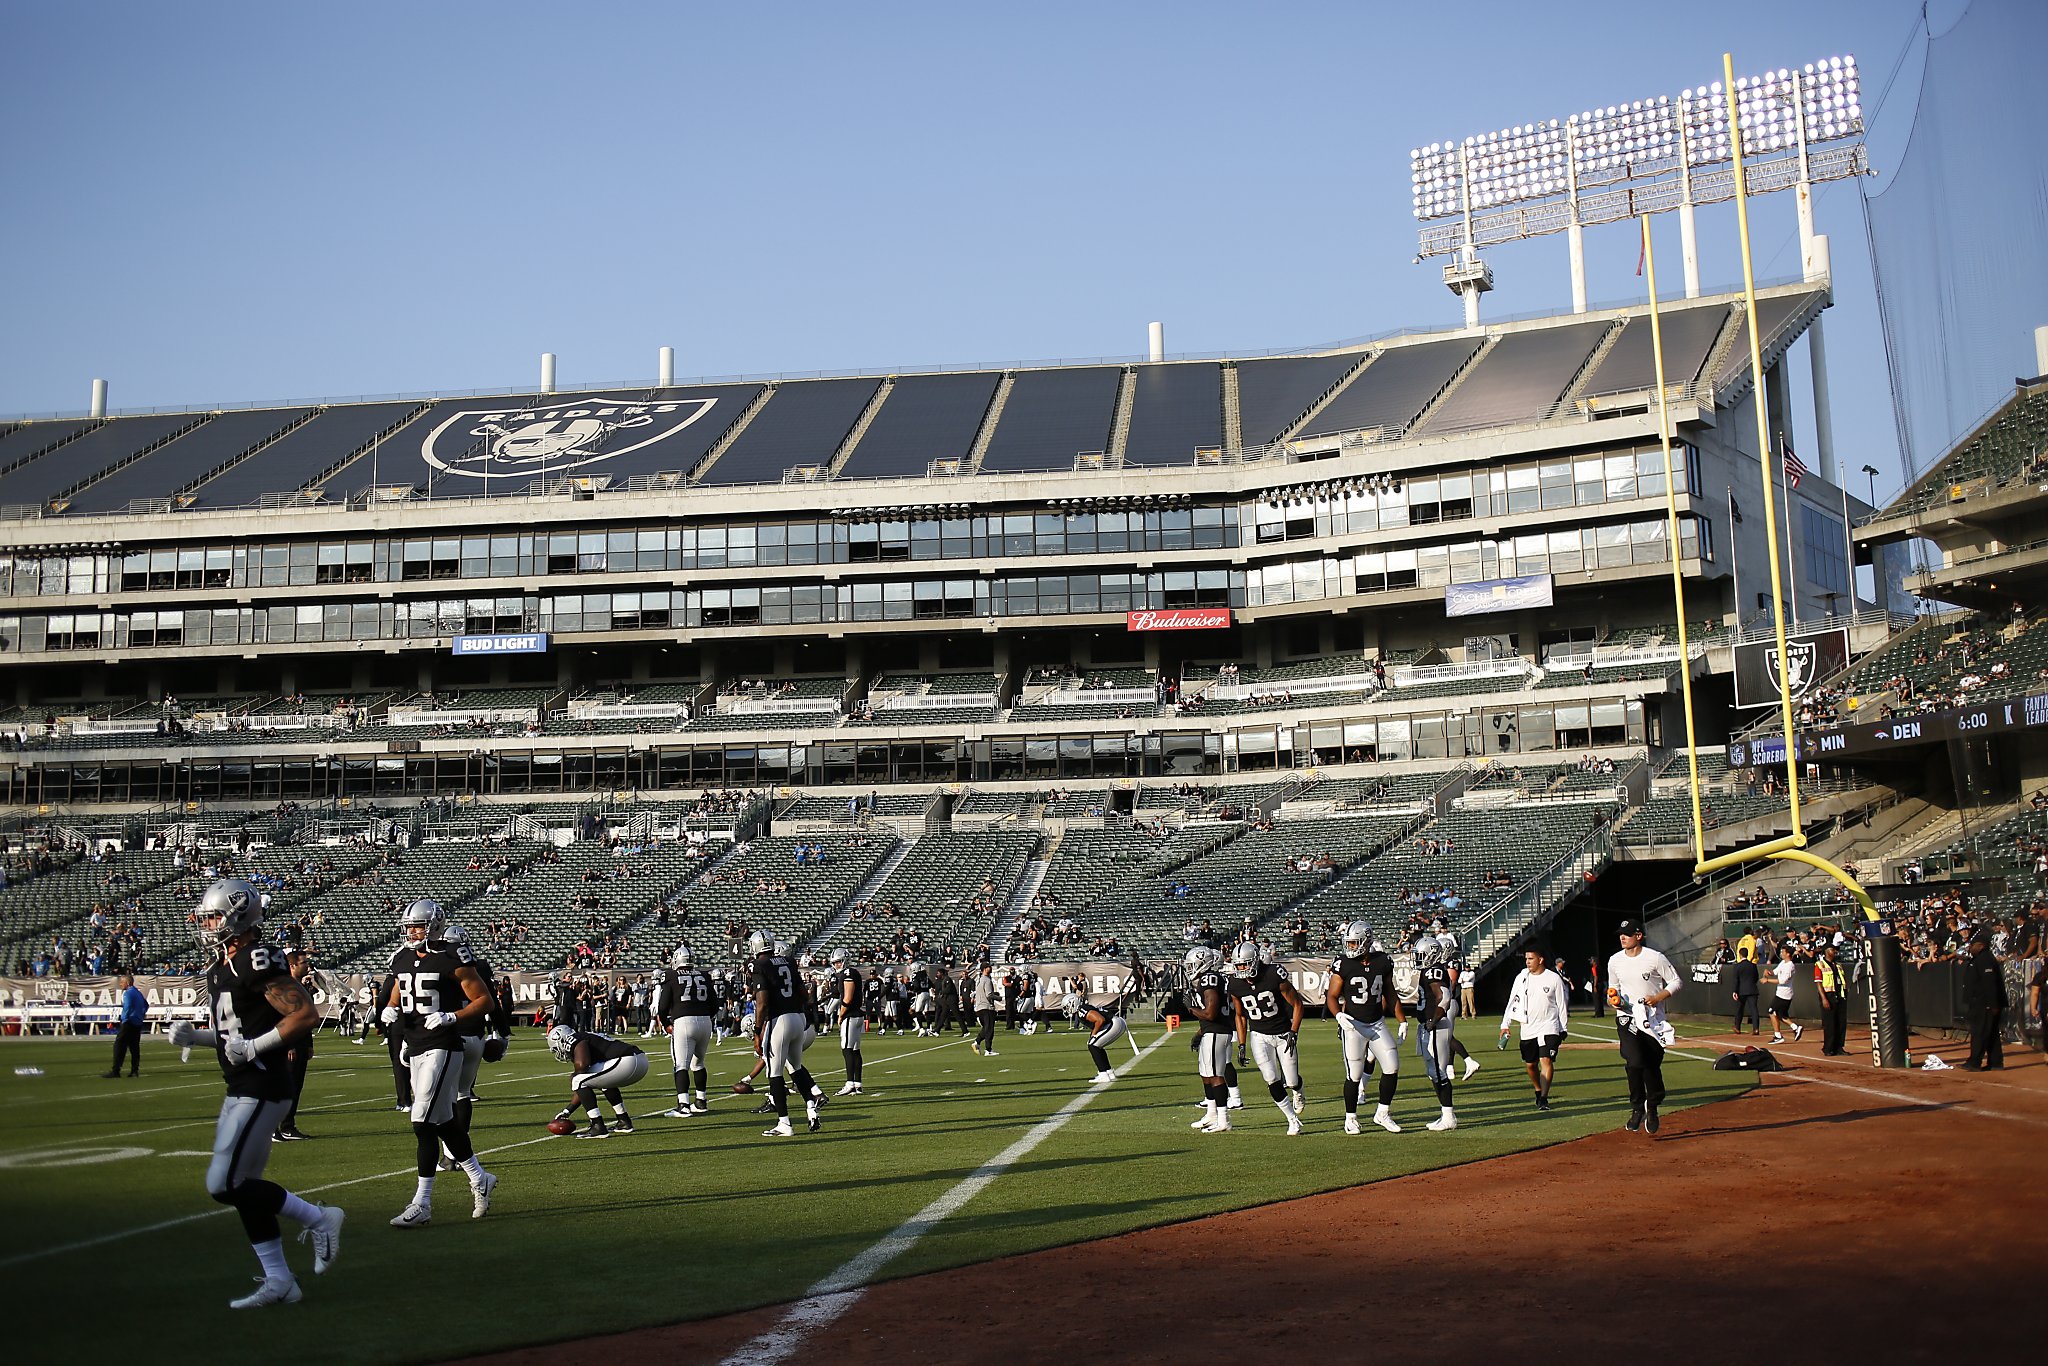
{"type": "Point", "coordinates": [1575, 235]}
{"type": "Point", "coordinates": [1689, 245]}
{"type": "Point", "coordinates": [1823, 415]}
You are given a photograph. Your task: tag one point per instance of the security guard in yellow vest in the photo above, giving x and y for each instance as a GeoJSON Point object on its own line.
{"type": "Point", "coordinates": [1832, 981]}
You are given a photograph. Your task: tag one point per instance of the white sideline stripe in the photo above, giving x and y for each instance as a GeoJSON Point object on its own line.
{"type": "Point", "coordinates": [838, 1292]}
{"type": "Point", "coordinates": [1929, 1102]}
{"type": "Point", "coordinates": [20, 1257]}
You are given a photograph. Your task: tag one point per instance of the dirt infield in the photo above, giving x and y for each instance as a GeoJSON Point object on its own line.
{"type": "Point", "coordinates": [1834, 1211]}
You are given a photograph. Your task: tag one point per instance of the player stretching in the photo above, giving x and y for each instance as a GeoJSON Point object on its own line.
{"type": "Point", "coordinates": [1268, 1011]}
{"type": "Point", "coordinates": [428, 975]}
{"type": "Point", "coordinates": [1360, 997]}
{"type": "Point", "coordinates": [602, 1066]}
{"type": "Point", "coordinates": [1105, 1026]}
{"type": "Point", "coordinates": [259, 1012]}
{"type": "Point", "coordinates": [684, 1003]}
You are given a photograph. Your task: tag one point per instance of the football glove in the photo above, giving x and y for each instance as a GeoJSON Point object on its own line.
{"type": "Point", "coordinates": [239, 1050]}
{"type": "Point", "coordinates": [185, 1034]}
{"type": "Point", "coordinates": [441, 1019]}
{"type": "Point", "coordinates": [1401, 1034]}
{"type": "Point", "coordinates": [390, 1015]}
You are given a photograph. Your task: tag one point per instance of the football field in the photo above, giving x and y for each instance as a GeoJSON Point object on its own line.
{"type": "Point", "coordinates": [111, 1240]}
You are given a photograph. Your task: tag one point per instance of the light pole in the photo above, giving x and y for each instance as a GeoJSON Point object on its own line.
{"type": "Point", "coordinates": [1871, 470]}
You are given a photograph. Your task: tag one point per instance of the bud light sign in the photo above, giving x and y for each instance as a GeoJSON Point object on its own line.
{"type": "Point", "coordinates": [533, 643]}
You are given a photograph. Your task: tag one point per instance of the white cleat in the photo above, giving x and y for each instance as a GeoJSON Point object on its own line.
{"type": "Point", "coordinates": [781, 1130]}
{"type": "Point", "coordinates": [700, 1107]}
{"type": "Point", "coordinates": [1351, 1124]}
{"type": "Point", "coordinates": [1221, 1126]}
{"type": "Point", "coordinates": [1299, 1101]}
{"type": "Point", "coordinates": [480, 1193]}
{"type": "Point", "coordinates": [414, 1215]}
{"type": "Point", "coordinates": [1386, 1121]}
{"type": "Point", "coordinates": [1101, 1077]}
{"type": "Point", "coordinates": [1293, 1123]}
{"type": "Point", "coordinates": [849, 1090]}
{"type": "Point", "coordinates": [325, 1233]}
{"type": "Point", "coordinates": [1471, 1066]}
{"type": "Point", "coordinates": [268, 1293]}
{"type": "Point", "coordinates": [1236, 1103]}
{"type": "Point", "coordinates": [676, 1112]}
{"type": "Point", "coordinates": [1444, 1124]}
{"type": "Point", "coordinates": [811, 1115]}
{"type": "Point", "coordinates": [1202, 1123]}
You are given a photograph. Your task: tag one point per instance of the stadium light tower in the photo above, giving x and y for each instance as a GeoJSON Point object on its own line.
{"type": "Point", "coordinates": [1647, 156]}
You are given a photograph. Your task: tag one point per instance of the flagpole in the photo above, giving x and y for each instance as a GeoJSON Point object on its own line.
{"type": "Point", "coordinates": [1848, 549]}
{"type": "Point", "coordinates": [1791, 511]}
{"type": "Point", "coordinates": [1735, 557]}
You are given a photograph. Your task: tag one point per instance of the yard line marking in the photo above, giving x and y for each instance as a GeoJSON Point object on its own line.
{"type": "Point", "coordinates": [103, 1239]}
{"type": "Point", "coordinates": [838, 1292]}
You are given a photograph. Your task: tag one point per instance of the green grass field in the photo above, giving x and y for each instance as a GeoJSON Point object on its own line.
{"type": "Point", "coordinates": [110, 1239]}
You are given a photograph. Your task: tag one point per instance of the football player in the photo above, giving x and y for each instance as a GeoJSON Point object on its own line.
{"type": "Point", "coordinates": [1460, 984]}
{"type": "Point", "coordinates": [1209, 1002]}
{"type": "Point", "coordinates": [782, 1027]}
{"type": "Point", "coordinates": [684, 1002]}
{"type": "Point", "coordinates": [428, 977]}
{"type": "Point", "coordinates": [259, 1012]}
{"type": "Point", "coordinates": [1434, 1036]}
{"type": "Point", "coordinates": [600, 1065]}
{"type": "Point", "coordinates": [1361, 996]}
{"type": "Point", "coordinates": [851, 996]}
{"type": "Point", "coordinates": [1268, 1011]}
{"type": "Point", "coordinates": [1105, 1026]}
{"type": "Point", "coordinates": [483, 1040]}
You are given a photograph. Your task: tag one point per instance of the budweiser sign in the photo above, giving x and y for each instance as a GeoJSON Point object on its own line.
{"type": "Point", "coordinates": [1179, 619]}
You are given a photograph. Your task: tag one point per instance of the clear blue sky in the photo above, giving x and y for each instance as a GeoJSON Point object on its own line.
{"type": "Point", "coordinates": [229, 202]}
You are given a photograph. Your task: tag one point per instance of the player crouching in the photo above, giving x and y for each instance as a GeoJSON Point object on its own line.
{"type": "Point", "coordinates": [1105, 1026]}
{"type": "Point", "coordinates": [602, 1066]}
{"type": "Point", "coordinates": [259, 1012]}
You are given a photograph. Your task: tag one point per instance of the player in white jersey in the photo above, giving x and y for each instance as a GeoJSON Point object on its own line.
{"type": "Point", "coordinates": [1639, 981]}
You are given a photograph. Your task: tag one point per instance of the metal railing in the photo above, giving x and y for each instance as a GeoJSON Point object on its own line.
{"type": "Point", "coordinates": [1590, 855]}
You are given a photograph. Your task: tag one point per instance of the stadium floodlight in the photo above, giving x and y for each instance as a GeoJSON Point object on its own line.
{"type": "Point", "coordinates": [1652, 155]}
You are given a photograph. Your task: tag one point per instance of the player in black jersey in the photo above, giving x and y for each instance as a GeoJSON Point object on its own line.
{"type": "Point", "coordinates": [685, 999]}
{"type": "Point", "coordinates": [1268, 1013]}
{"type": "Point", "coordinates": [436, 994]}
{"type": "Point", "coordinates": [782, 1008]}
{"type": "Point", "coordinates": [854, 1000]}
{"type": "Point", "coordinates": [258, 1014]}
{"type": "Point", "coordinates": [1434, 1037]}
{"type": "Point", "coordinates": [1208, 1000]}
{"type": "Point", "coordinates": [1363, 1000]}
{"type": "Point", "coordinates": [601, 1065]}
{"type": "Point", "coordinates": [478, 1038]}
{"type": "Point", "coordinates": [1105, 1024]}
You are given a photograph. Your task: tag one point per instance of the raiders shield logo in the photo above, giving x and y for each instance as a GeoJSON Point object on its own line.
{"type": "Point", "coordinates": [1800, 656]}
{"type": "Point", "coordinates": [488, 442]}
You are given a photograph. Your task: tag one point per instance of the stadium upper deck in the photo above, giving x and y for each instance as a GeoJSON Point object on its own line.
{"type": "Point", "coordinates": [1358, 502]}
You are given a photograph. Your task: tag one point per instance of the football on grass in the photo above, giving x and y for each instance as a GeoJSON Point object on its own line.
{"type": "Point", "coordinates": [561, 1126]}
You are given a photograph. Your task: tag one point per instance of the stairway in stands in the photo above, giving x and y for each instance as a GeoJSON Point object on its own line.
{"type": "Point", "coordinates": [864, 892]}
{"type": "Point", "coordinates": [1020, 902]}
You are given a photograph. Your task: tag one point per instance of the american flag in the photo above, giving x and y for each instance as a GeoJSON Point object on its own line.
{"type": "Point", "coordinates": [1795, 469]}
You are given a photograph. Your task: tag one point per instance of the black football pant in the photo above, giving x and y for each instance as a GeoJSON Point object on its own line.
{"type": "Point", "coordinates": [128, 1043]}
{"type": "Point", "coordinates": [1834, 1027]}
{"type": "Point", "coordinates": [1643, 1059]}
{"type": "Point", "coordinates": [1987, 1049]}
{"type": "Point", "coordinates": [302, 1058]}
{"type": "Point", "coordinates": [401, 1075]}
